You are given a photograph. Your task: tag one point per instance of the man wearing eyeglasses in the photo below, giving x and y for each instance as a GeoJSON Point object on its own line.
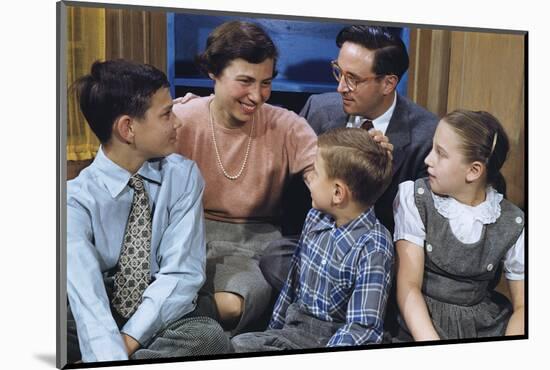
{"type": "Point", "coordinates": [369, 66]}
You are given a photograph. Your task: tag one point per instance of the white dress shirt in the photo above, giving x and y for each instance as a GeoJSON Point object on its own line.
{"type": "Point", "coordinates": [380, 123]}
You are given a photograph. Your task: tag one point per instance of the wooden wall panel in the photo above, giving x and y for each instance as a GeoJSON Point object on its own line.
{"type": "Point", "coordinates": [486, 72]}
{"type": "Point", "coordinates": [429, 69]}
{"type": "Point", "coordinates": [419, 53]}
{"type": "Point", "coordinates": [136, 35]}
{"type": "Point", "coordinates": [439, 72]}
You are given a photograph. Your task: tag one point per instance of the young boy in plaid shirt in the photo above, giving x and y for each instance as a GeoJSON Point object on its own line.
{"type": "Point", "coordinates": [340, 275]}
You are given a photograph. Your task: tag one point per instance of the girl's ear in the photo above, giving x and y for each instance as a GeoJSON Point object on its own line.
{"type": "Point", "coordinates": [211, 75]}
{"type": "Point", "coordinates": [476, 170]}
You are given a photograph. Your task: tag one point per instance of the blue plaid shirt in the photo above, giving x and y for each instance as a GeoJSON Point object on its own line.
{"type": "Point", "coordinates": [341, 274]}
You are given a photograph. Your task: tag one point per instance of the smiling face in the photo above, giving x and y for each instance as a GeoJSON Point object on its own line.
{"type": "Point", "coordinates": [447, 167]}
{"type": "Point", "coordinates": [155, 132]}
{"type": "Point", "coordinates": [240, 89]}
{"type": "Point", "coordinates": [367, 99]}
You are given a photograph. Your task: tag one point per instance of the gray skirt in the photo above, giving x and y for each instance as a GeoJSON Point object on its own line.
{"type": "Point", "coordinates": [233, 252]}
{"type": "Point", "coordinates": [489, 318]}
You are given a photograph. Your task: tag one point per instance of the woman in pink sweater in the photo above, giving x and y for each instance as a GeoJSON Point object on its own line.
{"type": "Point", "coordinates": [246, 151]}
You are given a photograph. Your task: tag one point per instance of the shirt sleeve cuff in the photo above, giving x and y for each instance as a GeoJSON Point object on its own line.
{"type": "Point", "coordinates": [514, 276]}
{"type": "Point", "coordinates": [410, 238]}
{"type": "Point", "coordinates": [144, 323]}
{"type": "Point", "coordinates": [104, 348]}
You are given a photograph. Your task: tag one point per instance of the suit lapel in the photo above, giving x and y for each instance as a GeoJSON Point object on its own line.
{"type": "Point", "coordinates": [399, 132]}
{"type": "Point", "coordinates": [338, 116]}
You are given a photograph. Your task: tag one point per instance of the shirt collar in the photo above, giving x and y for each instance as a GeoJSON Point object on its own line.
{"type": "Point", "coordinates": [487, 212]}
{"type": "Point", "coordinates": [365, 220]}
{"type": "Point", "coordinates": [116, 178]}
{"type": "Point", "coordinates": [380, 123]}
{"type": "Point", "coordinates": [346, 236]}
{"type": "Point", "coordinates": [323, 221]}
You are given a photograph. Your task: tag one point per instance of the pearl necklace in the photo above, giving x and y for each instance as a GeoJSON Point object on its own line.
{"type": "Point", "coordinates": [230, 177]}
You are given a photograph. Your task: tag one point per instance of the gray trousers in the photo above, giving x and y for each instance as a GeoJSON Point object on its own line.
{"type": "Point", "coordinates": [232, 265]}
{"type": "Point", "coordinates": [300, 331]}
{"type": "Point", "coordinates": [195, 334]}
{"type": "Point", "coordinates": [189, 336]}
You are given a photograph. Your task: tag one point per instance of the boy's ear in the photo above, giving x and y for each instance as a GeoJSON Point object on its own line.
{"type": "Point", "coordinates": [340, 193]}
{"type": "Point", "coordinates": [123, 129]}
{"type": "Point", "coordinates": [476, 170]}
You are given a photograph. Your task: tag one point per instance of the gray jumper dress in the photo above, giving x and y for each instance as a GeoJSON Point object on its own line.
{"type": "Point", "coordinates": [459, 279]}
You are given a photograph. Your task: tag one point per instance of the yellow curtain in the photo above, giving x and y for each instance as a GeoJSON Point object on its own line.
{"type": "Point", "coordinates": [86, 44]}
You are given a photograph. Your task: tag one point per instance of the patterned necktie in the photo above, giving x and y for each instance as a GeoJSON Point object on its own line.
{"type": "Point", "coordinates": [367, 125]}
{"type": "Point", "coordinates": [133, 273]}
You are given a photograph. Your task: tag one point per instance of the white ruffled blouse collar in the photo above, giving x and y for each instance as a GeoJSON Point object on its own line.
{"type": "Point", "coordinates": [486, 212]}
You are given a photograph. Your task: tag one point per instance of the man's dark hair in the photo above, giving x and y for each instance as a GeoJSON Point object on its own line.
{"type": "Point", "coordinates": [390, 56]}
{"type": "Point", "coordinates": [114, 88]}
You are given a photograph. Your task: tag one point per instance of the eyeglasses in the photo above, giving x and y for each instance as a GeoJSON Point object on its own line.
{"type": "Point", "coordinates": [351, 81]}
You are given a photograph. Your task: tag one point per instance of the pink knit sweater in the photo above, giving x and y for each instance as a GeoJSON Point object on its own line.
{"type": "Point", "coordinates": [283, 144]}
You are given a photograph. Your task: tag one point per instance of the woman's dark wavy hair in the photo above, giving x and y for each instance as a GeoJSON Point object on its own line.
{"type": "Point", "coordinates": [236, 40]}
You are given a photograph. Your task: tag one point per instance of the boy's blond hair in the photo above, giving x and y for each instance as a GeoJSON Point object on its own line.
{"type": "Point", "coordinates": [351, 155]}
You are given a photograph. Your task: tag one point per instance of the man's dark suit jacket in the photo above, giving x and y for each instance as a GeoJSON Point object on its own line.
{"type": "Point", "coordinates": [411, 132]}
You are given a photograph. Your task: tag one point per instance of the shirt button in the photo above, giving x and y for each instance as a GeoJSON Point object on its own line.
{"type": "Point", "coordinates": [420, 191]}
{"type": "Point", "coordinates": [518, 220]}
{"type": "Point", "coordinates": [323, 262]}
{"type": "Point", "coordinates": [429, 247]}
{"type": "Point", "coordinates": [490, 267]}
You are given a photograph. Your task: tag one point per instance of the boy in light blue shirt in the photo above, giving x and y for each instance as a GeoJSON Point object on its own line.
{"type": "Point", "coordinates": [135, 234]}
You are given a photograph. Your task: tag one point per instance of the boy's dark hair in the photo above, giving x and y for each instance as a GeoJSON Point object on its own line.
{"type": "Point", "coordinates": [390, 57]}
{"type": "Point", "coordinates": [352, 155]}
{"type": "Point", "coordinates": [236, 40]}
{"type": "Point", "coordinates": [114, 88]}
{"type": "Point", "coordinates": [483, 139]}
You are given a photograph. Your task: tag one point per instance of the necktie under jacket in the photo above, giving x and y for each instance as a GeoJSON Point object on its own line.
{"type": "Point", "coordinates": [133, 273]}
{"type": "Point", "coordinates": [367, 125]}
